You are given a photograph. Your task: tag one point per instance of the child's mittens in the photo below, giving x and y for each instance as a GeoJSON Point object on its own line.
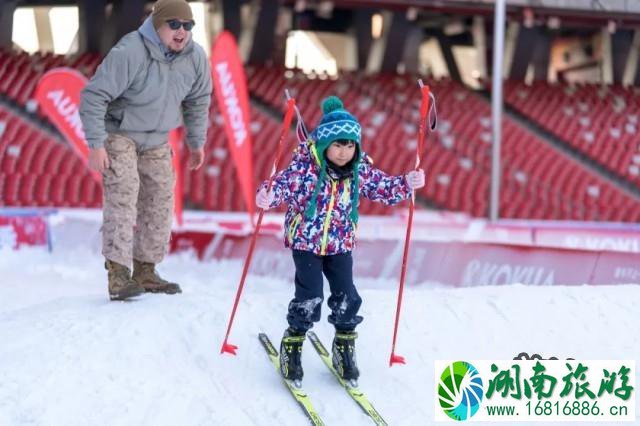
{"type": "Point", "coordinates": [264, 199]}
{"type": "Point", "coordinates": [415, 179]}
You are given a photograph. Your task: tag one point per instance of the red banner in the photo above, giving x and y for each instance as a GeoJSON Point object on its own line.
{"type": "Point", "coordinates": [233, 101]}
{"type": "Point", "coordinates": [451, 263]}
{"type": "Point", "coordinates": [175, 137]}
{"type": "Point", "coordinates": [58, 95]}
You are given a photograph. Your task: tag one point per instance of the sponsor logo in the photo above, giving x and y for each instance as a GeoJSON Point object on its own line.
{"type": "Point", "coordinates": [603, 243]}
{"type": "Point", "coordinates": [625, 273]}
{"type": "Point", "coordinates": [488, 273]}
{"type": "Point", "coordinates": [68, 110]}
{"type": "Point", "coordinates": [231, 102]}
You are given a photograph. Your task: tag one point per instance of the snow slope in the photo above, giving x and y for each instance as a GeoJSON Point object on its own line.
{"type": "Point", "coordinates": [68, 356]}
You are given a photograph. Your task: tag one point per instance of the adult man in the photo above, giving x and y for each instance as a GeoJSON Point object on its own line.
{"type": "Point", "coordinates": [150, 79]}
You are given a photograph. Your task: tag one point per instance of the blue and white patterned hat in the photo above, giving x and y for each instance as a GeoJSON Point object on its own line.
{"type": "Point", "coordinates": [336, 124]}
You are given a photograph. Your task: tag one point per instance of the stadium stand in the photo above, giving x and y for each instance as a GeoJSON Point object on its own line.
{"type": "Point", "coordinates": [537, 181]}
{"type": "Point", "coordinates": [601, 122]}
{"type": "Point", "coordinates": [36, 169]}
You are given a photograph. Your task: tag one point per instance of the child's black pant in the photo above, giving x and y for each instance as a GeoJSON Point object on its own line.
{"type": "Point", "coordinates": [344, 301]}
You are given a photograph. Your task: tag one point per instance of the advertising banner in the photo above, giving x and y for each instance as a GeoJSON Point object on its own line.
{"type": "Point", "coordinates": [451, 263]}
{"type": "Point", "coordinates": [58, 96]}
{"type": "Point", "coordinates": [230, 87]}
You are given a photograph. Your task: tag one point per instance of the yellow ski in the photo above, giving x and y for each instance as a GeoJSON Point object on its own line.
{"type": "Point", "coordinates": [355, 393]}
{"type": "Point", "coordinates": [297, 392]}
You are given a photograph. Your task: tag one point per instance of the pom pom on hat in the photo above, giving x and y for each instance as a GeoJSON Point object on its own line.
{"type": "Point", "coordinates": [330, 104]}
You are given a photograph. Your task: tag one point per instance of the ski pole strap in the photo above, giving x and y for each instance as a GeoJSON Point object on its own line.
{"type": "Point", "coordinates": [433, 112]}
{"type": "Point", "coordinates": [291, 103]}
{"type": "Point", "coordinates": [302, 131]}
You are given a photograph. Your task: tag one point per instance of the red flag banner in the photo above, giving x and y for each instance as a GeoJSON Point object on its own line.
{"type": "Point", "coordinates": [233, 101]}
{"type": "Point", "coordinates": [58, 95]}
{"type": "Point", "coordinates": [175, 137]}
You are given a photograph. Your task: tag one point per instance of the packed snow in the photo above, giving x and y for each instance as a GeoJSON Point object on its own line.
{"type": "Point", "coordinates": [69, 356]}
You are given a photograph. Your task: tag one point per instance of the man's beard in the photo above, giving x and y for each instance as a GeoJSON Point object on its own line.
{"type": "Point", "coordinates": [177, 51]}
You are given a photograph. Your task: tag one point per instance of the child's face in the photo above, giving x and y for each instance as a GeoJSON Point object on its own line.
{"type": "Point", "coordinates": [341, 152]}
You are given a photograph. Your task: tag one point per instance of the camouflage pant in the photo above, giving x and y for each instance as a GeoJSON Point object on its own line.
{"type": "Point", "coordinates": [138, 202]}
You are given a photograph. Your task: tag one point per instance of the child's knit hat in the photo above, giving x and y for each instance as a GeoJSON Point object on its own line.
{"type": "Point", "coordinates": [336, 124]}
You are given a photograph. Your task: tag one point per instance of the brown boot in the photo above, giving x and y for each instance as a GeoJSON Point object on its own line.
{"type": "Point", "coordinates": [121, 286]}
{"type": "Point", "coordinates": [145, 274]}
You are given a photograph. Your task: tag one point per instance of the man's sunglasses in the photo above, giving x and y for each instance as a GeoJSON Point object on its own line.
{"type": "Point", "coordinates": [175, 24]}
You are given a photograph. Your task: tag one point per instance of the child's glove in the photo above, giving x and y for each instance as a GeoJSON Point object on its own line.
{"type": "Point", "coordinates": [415, 179]}
{"type": "Point", "coordinates": [264, 199]}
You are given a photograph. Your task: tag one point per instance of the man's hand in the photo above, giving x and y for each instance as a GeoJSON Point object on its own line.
{"type": "Point", "coordinates": [98, 159]}
{"type": "Point", "coordinates": [196, 158]}
{"type": "Point", "coordinates": [415, 179]}
{"type": "Point", "coordinates": [264, 199]}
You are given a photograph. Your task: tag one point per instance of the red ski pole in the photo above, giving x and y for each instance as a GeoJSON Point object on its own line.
{"type": "Point", "coordinates": [226, 346]}
{"type": "Point", "coordinates": [424, 108]}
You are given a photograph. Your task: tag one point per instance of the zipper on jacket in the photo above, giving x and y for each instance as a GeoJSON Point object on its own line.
{"type": "Point", "coordinates": [164, 108]}
{"type": "Point", "coordinates": [327, 219]}
{"type": "Point", "coordinates": [293, 227]}
{"type": "Point", "coordinates": [346, 194]}
{"type": "Point", "coordinates": [314, 153]}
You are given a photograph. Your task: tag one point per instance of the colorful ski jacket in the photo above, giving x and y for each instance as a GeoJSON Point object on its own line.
{"type": "Point", "coordinates": [331, 231]}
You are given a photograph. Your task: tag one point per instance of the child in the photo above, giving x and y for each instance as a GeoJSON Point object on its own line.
{"type": "Point", "coordinates": [321, 187]}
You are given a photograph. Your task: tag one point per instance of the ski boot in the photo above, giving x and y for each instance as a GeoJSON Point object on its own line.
{"type": "Point", "coordinates": [145, 275]}
{"type": "Point", "coordinates": [121, 286]}
{"type": "Point", "coordinates": [291, 356]}
{"type": "Point", "coordinates": [344, 356]}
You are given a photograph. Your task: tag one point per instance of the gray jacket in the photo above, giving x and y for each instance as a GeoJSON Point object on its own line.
{"type": "Point", "coordinates": [140, 93]}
